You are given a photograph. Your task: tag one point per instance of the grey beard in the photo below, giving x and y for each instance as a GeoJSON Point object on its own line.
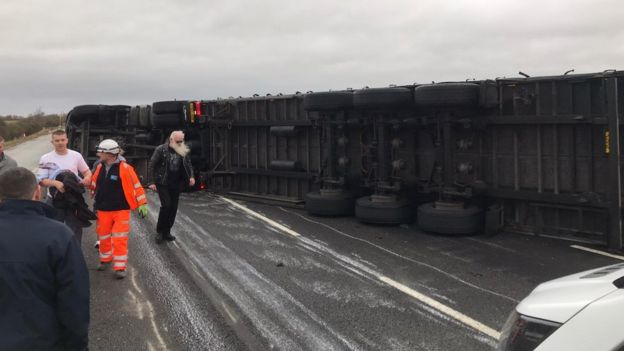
{"type": "Point", "coordinates": [181, 149]}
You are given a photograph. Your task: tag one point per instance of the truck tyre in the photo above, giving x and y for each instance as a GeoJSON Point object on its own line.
{"type": "Point", "coordinates": [382, 212]}
{"type": "Point", "coordinates": [338, 204]}
{"type": "Point", "coordinates": [452, 221]}
{"type": "Point", "coordinates": [133, 117]}
{"type": "Point", "coordinates": [169, 120]}
{"type": "Point", "coordinates": [382, 98]}
{"type": "Point", "coordinates": [83, 113]}
{"type": "Point", "coordinates": [145, 117]}
{"type": "Point", "coordinates": [447, 95]}
{"type": "Point", "coordinates": [168, 107]}
{"type": "Point", "coordinates": [328, 101]}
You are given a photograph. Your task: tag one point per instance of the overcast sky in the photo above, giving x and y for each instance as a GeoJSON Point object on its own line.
{"type": "Point", "coordinates": [59, 53]}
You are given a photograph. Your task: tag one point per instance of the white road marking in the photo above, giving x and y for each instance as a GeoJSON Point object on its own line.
{"type": "Point", "coordinates": [261, 217]}
{"type": "Point", "coordinates": [150, 309]}
{"type": "Point", "coordinates": [161, 341]}
{"type": "Point", "coordinates": [137, 303]}
{"type": "Point", "coordinates": [578, 247]}
{"type": "Point", "coordinates": [443, 308]}
{"type": "Point", "coordinates": [229, 313]}
{"type": "Point", "coordinates": [454, 277]}
{"type": "Point", "coordinates": [134, 282]}
{"type": "Point", "coordinates": [411, 292]}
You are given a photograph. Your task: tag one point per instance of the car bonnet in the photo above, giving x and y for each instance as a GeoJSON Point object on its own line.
{"type": "Point", "coordinates": [560, 299]}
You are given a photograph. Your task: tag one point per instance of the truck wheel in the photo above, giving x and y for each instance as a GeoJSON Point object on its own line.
{"type": "Point", "coordinates": [133, 117]}
{"type": "Point", "coordinates": [383, 212]}
{"type": "Point", "coordinates": [145, 116]}
{"type": "Point", "coordinates": [328, 101]}
{"type": "Point", "coordinates": [382, 98]}
{"type": "Point", "coordinates": [339, 203]}
{"type": "Point", "coordinates": [459, 220]}
{"type": "Point", "coordinates": [447, 95]}
{"type": "Point", "coordinates": [169, 120]}
{"type": "Point", "coordinates": [168, 107]}
{"type": "Point", "coordinates": [83, 113]}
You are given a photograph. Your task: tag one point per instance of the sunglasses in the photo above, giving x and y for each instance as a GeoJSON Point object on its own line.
{"type": "Point", "coordinates": [179, 142]}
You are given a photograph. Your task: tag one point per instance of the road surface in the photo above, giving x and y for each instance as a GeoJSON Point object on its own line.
{"type": "Point", "coordinates": [250, 276]}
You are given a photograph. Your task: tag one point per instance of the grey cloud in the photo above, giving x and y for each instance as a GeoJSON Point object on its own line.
{"type": "Point", "coordinates": [58, 54]}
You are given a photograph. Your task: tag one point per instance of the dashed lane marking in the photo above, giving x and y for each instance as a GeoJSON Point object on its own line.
{"type": "Point", "coordinates": [451, 276]}
{"type": "Point", "coordinates": [598, 252]}
{"type": "Point", "coordinates": [452, 313]}
{"type": "Point", "coordinates": [442, 308]}
{"type": "Point", "coordinates": [261, 217]}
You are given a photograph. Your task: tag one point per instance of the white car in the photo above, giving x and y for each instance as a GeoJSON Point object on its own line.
{"type": "Point", "coordinates": [583, 311]}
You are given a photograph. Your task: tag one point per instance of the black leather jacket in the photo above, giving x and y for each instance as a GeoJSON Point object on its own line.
{"type": "Point", "coordinates": [159, 164]}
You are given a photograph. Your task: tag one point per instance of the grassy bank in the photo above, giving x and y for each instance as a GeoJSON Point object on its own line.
{"type": "Point", "coordinates": [12, 143]}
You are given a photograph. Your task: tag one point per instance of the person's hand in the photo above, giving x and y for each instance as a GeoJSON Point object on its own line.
{"type": "Point", "coordinates": [59, 186]}
{"type": "Point", "coordinates": [86, 182]}
{"type": "Point", "coordinates": [143, 211]}
{"type": "Point", "coordinates": [191, 181]}
{"type": "Point", "coordinates": [152, 187]}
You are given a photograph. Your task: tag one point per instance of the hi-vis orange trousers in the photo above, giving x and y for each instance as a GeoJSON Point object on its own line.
{"type": "Point", "coordinates": [112, 230]}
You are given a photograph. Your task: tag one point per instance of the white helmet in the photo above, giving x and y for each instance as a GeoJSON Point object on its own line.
{"type": "Point", "coordinates": [109, 146]}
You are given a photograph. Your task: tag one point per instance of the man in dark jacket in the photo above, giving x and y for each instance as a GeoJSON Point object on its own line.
{"type": "Point", "coordinates": [44, 282]}
{"type": "Point", "coordinates": [170, 172]}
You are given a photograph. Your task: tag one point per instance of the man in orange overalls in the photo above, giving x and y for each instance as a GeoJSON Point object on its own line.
{"type": "Point", "coordinates": [117, 192]}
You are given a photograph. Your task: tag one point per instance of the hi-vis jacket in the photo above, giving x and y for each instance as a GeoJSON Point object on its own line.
{"type": "Point", "coordinates": [132, 188]}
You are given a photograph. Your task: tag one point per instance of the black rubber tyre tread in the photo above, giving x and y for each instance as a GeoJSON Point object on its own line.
{"type": "Point", "coordinates": [133, 116]}
{"type": "Point", "coordinates": [398, 212]}
{"type": "Point", "coordinates": [447, 94]}
{"type": "Point", "coordinates": [383, 98]}
{"type": "Point", "coordinates": [169, 120]}
{"type": "Point", "coordinates": [168, 107]}
{"type": "Point", "coordinates": [86, 110]}
{"type": "Point", "coordinates": [83, 113]}
{"type": "Point", "coordinates": [467, 220]}
{"type": "Point", "coordinates": [145, 119]}
{"type": "Point", "coordinates": [328, 101]}
{"type": "Point", "coordinates": [341, 204]}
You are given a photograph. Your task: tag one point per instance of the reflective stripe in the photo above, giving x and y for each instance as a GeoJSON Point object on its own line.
{"type": "Point", "coordinates": [139, 198]}
{"type": "Point", "coordinates": [137, 185]}
{"type": "Point", "coordinates": [120, 258]}
{"type": "Point", "coordinates": [124, 222]}
{"type": "Point", "coordinates": [104, 237]}
{"type": "Point", "coordinates": [119, 264]}
{"type": "Point", "coordinates": [118, 235]}
{"type": "Point", "coordinates": [106, 254]}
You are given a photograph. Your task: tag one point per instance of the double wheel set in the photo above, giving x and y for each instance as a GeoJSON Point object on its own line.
{"type": "Point", "coordinates": [386, 204]}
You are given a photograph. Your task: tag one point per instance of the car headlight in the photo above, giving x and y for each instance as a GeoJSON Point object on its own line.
{"type": "Point", "coordinates": [522, 333]}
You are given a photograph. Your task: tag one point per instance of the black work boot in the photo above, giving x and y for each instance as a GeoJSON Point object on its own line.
{"type": "Point", "coordinates": [169, 237]}
{"type": "Point", "coordinates": [159, 238]}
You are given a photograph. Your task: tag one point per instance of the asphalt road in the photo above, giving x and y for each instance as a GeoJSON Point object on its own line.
{"type": "Point", "coordinates": [251, 276]}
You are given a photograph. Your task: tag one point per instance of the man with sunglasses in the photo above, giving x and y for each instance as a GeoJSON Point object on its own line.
{"type": "Point", "coordinates": [170, 171]}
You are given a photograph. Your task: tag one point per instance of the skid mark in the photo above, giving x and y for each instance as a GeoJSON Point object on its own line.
{"type": "Point", "coordinates": [346, 294]}
{"type": "Point", "coordinates": [302, 262]}
{"type": "Point", "coordinates": [450, 275]}
{"type": "Point", "coordinates": [247, 287]}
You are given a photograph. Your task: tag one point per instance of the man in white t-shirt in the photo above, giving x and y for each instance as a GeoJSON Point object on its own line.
{"type": "Point", "coordinates": [60, 159]}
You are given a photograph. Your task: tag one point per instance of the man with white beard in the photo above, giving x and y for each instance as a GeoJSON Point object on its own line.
{"type": "Point", "coordinates": [170, 171]}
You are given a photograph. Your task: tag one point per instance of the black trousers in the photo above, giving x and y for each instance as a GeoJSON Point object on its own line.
{"type": "Point", "coordinates": [169, 196]}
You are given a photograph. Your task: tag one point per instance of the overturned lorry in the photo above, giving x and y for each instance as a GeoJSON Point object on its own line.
{"type": "Point", "coordinates": [533, 155]}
